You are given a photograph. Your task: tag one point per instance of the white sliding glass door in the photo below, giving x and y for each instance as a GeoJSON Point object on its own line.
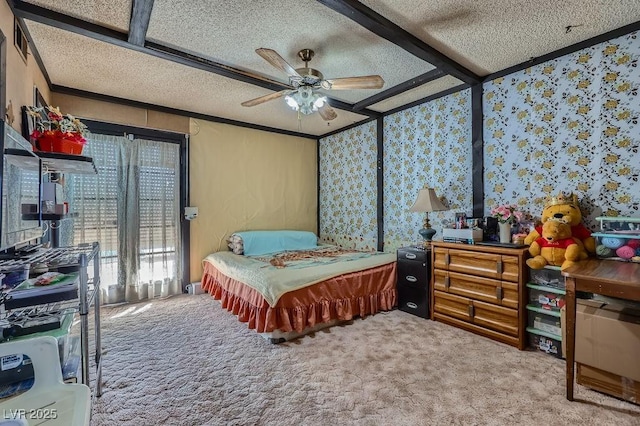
{"type": "Point", "coordinates": [132, 207]}
{"type": "Point", "coordinates": [158, 208]}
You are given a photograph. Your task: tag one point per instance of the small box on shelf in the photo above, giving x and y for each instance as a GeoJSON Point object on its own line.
{"type": "Point", "coordinates": [467, 235]}
{"type": "Point", "coordinates": [14, 275]}
{"type": "Point", "coordinates": [15, 368]}
{"type": "Point", "coordinates": [547, 323]}
{"type": "Point", "coordinates": [29, 208]}
{"type": "Point", "coordinates": [545, 342]}
{"type": "Point", "coordinates": [547, 298]}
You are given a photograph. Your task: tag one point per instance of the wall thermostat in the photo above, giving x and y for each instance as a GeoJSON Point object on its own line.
{"type": "Point", "coordinates": [190, 213]}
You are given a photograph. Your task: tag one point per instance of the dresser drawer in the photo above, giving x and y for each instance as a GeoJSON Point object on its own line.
{"type": "Point", "coordinates": [487, 315]}
{"type": "Point", "coordinates": [503, 293]}
{"type": "Point", "coordinates": [413, 267]}
{"type": "Point", "coordinates": [480, 289]}
{"type": "Point", "coordinates": [414, 300]}
{"type": "Point", "coordinates": [413, 274]}
{"type": "Point", "coordinates": [413, 254]}
{"type": "Point", "coordinates": [491, 265]}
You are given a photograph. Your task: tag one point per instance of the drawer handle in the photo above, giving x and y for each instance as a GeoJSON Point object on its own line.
{"type": "Point", "coordinates": [411, 279]}
{"type": "Point", "coordinates": [446, 283]}
{"type": "Point", "coordinates": [499, 293]}
{"type": "Point", "coordinates": [499, 266]}
{"type": "Point", "coordinates": [446, 259]}
{"type": "Point", "coordinates": [471, 311]}
{"type": "Point", "coordinates": [410, 255]}
{"type": "Point", "coordinates": [412, 305]}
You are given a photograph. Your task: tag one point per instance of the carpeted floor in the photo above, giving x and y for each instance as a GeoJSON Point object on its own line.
{"type": "Point", "coordinates": [185, 361]}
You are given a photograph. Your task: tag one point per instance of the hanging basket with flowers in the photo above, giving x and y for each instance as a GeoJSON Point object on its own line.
{"type": "Point", "coordinates": [56, 132]}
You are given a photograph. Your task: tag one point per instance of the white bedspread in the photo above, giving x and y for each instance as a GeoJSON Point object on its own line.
{"type": "Point", "coordinates": [272, 282]}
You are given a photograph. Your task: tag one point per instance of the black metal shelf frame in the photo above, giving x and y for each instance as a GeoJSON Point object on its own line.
{"type": "Point", "coordinates": [76, 258]}
{"type": "Point", "coordinates": [53, 161]}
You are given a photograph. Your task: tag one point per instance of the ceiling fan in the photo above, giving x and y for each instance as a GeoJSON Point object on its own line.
{"type": "Point", "coordinates": [302, 95]}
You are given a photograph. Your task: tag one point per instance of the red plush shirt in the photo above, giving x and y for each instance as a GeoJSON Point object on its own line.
{"type": "Point", "coordinates": [579, 231]}
{"type": "Point", "coordinates": [563, 243]}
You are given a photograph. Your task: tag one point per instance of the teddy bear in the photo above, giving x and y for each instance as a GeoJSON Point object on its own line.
{"type": "Point", "coordinates": [565, 206]}
{"type": "Point", "coordinates": [555, 246]}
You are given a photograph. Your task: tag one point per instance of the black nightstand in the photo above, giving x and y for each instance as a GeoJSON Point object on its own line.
{"type": "Point", "coordinates": [414, 269]}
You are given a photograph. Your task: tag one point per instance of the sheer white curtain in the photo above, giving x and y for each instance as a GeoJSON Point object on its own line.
{"type": "Point", "coordinates": [132, 207]}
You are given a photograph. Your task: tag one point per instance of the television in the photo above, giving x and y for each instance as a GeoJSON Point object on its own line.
{"type": "Point", "coordinates": [20, 177]}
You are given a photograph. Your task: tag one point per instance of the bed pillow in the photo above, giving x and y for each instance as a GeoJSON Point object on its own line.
{"type": "Point", "coordinates": [265, 242]}
{"type": "Point", "coordinates": [235, 244]}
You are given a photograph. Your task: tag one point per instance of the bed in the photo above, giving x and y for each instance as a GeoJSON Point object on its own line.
{"type": "Point", "coordinates": [286, 293]}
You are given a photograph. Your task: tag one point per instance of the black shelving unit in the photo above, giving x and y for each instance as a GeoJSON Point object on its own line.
{"type": "Point", "coordinates": [21, 158]}
{"type": "Point", "coordinates": [49, 164]}
{"type": "Point", "coordinates": [67, 163]}
{"type": "Point", "coordinates": [52, 161]}
{"type": "Point", "coordinates": [20, 306]}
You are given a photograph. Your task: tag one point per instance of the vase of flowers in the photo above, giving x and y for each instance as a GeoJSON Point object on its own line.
{"type": "Point", "coordinates": [508, 215]}
{"type": "Point", "coordinates": [57, 132]}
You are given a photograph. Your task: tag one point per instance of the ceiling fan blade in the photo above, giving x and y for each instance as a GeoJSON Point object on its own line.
{"type": "Point", "coordinates": [327, 113]}
{"type": "Point", "coordinates": [266, 98]}
{"type": "Point", "coordinates": [277, 61]}
{"type": "Point", "coordinates": [362, 82]}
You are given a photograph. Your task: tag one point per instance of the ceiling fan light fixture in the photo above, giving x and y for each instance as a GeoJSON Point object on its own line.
{"type": "Point", "coordinates": [319, 102]}
{"type": "Point", "coordinates": [300, 95]}
{"type": "Point", "coordinates": [305, 100]}
{"type": "Point", "coordinates": [291, 102]}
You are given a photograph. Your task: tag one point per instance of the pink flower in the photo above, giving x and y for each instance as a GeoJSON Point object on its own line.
{"type": "Point", "coordinates": [507, 213]}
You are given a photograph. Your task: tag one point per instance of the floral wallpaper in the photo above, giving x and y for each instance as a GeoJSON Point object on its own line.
{"type": "Point", "coordinates": [569, 124]}
{"type": "Point", "coordinates": [348, 188]}
{"type": "Point", "coordinates": [427, 145]}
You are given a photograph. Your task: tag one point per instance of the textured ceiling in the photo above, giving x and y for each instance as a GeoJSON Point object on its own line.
{"type": "Point", "coordinates": [114, 14]}
{"type": "Point", "coordinates": [490, 35]}
{"type": "Point", "coordinates": [165, 83]}
{"type": "Point", "coordinates": [420, 92]}
{"type": "Point", "coordinates": [231, 35]}
{"type": "Point", "coordinates": [482, 36]}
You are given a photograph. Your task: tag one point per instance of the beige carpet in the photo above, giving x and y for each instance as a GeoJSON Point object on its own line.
{"type": "Point", "coordinates": [185, 361]}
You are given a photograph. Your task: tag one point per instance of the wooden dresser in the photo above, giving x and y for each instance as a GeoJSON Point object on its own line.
{"type": "Point", "coordinates": [480, 289]}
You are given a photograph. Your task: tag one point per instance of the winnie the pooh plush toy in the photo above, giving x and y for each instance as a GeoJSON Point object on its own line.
{"type": "Point", "coordinates": [565, 206]}
{"type": "Point", "coordinates": [555, 246]}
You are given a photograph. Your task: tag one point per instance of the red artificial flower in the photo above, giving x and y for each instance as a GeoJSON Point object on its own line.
{"type": "Point", "coordinates": [54, 116]}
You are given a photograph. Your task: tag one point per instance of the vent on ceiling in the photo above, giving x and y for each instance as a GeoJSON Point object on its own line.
{"type": "Point", "coordinates": [20, 40]}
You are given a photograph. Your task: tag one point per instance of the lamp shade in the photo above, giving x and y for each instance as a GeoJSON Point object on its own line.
{"type": "Point", "coordinates": [427, 201]}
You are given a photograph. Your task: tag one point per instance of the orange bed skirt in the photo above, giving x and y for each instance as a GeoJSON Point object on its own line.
{"type": "Point", "coordinates": [340, 298]}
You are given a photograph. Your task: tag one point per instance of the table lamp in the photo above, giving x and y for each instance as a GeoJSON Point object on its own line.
{"type": "Point", "coordinates": [427, 201]}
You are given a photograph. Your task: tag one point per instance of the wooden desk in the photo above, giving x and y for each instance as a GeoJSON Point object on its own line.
{"type": "Point", "coordinates": [606, 277]}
